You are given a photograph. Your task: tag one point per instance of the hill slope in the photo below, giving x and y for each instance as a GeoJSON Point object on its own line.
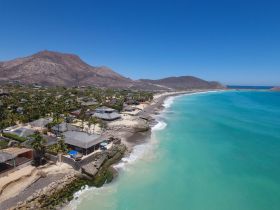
{"type": "Point", "coordinates": [182, 83]}
{"type": "Point", "coordinates": [53, 68]}
{"type": "Point", "coordinates": [61, 69]}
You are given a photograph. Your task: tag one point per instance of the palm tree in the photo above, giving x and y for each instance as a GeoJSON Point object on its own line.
{"type": "Point", "coordinates": [93, 121]}
{"type": "Point", "coordinates": [103, 125]}
{"type": "Point", "coordinates": [39, 147]}
{"type": "Point", "coordinates": [61, 146]}
{"type": "Point", "coordinates": [82, 116]}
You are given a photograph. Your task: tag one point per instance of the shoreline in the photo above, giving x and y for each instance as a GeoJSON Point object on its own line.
{"type": "Point", "coordinates": [129, 138]}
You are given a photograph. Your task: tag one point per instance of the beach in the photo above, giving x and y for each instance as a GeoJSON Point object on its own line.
{"type": "Point", "coordinates": [207, 151]}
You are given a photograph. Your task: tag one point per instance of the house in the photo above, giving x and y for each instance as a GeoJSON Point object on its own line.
{"type": "Point", "coordinates": [13, 157]}
{"type": "Point", "coordinates": [4, 93]}
{"type": "Point", "coordinates": [82, 142]}
{"type": "Point", "coordinates": [40, 123]}
{"type": "Point", "coordinates": [63, 127]}
{"type": "Point", "coordinates": [50, 140]}
{"type": "Point", "coordinates": [19, 131]}
{"type": "Point", "coordinates": [36, 86]}
{"type": "Point", "coordinates": [23, 100]}
{"type": "Point", "coordinates": [106, 113]}
{"type": "Point", "coordinates": [132, 102]}
{"type": "Point", "coordinates": [89, 103]}
{"type": "Point", "coordinates": [20, 110]}
{"type": "Point", "coordinates": [76, 113]}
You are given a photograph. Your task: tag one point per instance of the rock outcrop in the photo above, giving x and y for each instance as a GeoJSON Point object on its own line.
{"type": "Point", "coordinates": [61, 191]}
{"type": "Point", "coordinates": [42, 198]}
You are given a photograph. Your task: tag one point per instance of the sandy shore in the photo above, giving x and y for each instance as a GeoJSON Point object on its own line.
{"type": "Point", "coordinates": [149, 112]}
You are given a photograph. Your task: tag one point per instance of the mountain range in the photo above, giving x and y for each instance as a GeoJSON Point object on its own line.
{"type": "Point", "coordinates": [61, 69]}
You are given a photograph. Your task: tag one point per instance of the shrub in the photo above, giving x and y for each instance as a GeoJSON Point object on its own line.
{"type": "Point", "coordinates": [14, 137]}
{"type": "Point", "coordinates": [3, 144]}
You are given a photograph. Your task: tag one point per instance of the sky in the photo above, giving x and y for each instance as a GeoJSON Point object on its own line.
{"type": "Point", "coordinates": [231, 41]}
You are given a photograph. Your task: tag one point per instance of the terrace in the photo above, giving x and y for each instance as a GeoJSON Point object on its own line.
{"type": "Point", "coordinates": [13, 157]}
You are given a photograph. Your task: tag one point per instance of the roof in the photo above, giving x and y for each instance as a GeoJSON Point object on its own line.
{"type": "Point", "coordinates": [21, 131]}
{"type": "Point", "coordinates": [63, 127]}
{"type": "Point", "coordinates": [5, 156]}
{"type": "Point", "coordinates": [104, 109]}
{"type": "Point", "coordinates": [89, 103]}
{"type": "Point", "coordinates": [11, 152]}
{"type": "Point", "coordinates": [107, 116]}
{"type": "Point", "coordinates": [82, 139]}
{"type": "Point", "coordinates": [76, 112]}
{"type": "Point", "coordinates": [42, 122]}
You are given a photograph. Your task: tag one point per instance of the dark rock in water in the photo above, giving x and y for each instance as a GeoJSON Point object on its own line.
{"type": "Point", "coordinates": [112, 174]}
{"type": "Point", "coordinates": [104, 173]}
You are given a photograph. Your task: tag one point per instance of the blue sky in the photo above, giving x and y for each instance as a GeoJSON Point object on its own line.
{"type": "Point", "coordinates": [234, 42]}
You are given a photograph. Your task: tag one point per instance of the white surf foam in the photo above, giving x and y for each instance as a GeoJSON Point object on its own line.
{"type": "Point", "coordinates": [168, 102]}
{"type": "Point", "coordinates": [159, 126]}
{"type": "Point", "coordinates": [77, 197]}
{"type": "Point", "coordinates": [137, 152]}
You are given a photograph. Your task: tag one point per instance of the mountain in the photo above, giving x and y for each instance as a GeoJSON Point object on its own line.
{"type": "Point", "coordinates": [61, 69]}
{"type": "Point", "coordinates": [275, 88]}
{"type": "Point", "coordinates": [54, 68]}
{"type": "Point", "coordinates": [182, 83]}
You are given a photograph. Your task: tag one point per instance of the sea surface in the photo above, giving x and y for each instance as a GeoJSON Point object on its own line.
{"type": "Point", "coordinates": [249, 87]}
{"type": "Point", "coordinates": [209, 151]}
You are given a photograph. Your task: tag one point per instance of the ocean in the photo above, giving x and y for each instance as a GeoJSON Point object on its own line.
{"type": "Point", "coordinates": [209, 151]}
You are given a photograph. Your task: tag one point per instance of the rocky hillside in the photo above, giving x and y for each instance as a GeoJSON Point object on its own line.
{"type": "Point", "coordinates": [182, 83]}
{"type": "Point", "coordinates": [53, 68]}
{"type": "Point", "coordinates": [61, 69]}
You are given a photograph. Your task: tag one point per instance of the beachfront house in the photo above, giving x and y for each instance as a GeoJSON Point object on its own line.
{"type": "Point", "coordinates": [106, 113]}
{"type": "Point", "coordinates": [82, 142]}
{"type": "Point", "coordinates": [13, 157]}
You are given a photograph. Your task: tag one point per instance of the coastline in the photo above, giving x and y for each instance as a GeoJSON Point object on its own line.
{"type": "Point", "coordinates": [137, 141]}
{"type": "Point", "coordinates": [130, 138]}
{"type": "Point", "coordinates": [153, 166]}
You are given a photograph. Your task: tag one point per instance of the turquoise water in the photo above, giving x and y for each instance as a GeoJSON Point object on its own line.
{"type": "Point", "coordinates": [218, 151]}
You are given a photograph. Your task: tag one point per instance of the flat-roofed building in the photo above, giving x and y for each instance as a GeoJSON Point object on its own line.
{"type": "Point", "coordinates": [13, 157]}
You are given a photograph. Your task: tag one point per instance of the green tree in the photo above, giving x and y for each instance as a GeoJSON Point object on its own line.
{"type": "Point", "coordinates": [39, 147]}
{"type": "Point", "coordinates": [61, 146]}
{"type": "Point", "coordinates": [92, 121]}
{"type": "Point", "coordinates": [103, 125]}
{"type": "Point", "coordinates": [82, 116]}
